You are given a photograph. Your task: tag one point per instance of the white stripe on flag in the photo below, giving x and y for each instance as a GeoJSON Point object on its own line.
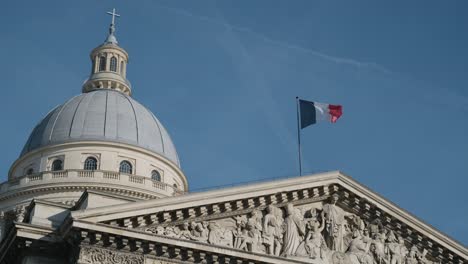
{"type": "Point", "coordinates": [322, 113]}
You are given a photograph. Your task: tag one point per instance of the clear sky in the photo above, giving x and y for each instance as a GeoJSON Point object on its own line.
{"type": "Point", "coordinates": [222, 76]}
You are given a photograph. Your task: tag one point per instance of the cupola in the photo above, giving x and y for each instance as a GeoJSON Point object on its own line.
{"type": "Point", "coordinates": [109, 65]}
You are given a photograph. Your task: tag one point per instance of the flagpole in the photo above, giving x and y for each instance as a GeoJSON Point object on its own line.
{"type": "Point", "coordinates": [299, 136]}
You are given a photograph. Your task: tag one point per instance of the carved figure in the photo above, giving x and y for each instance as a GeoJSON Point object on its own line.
{"type": "Point", "coordinates": [335, 225]}
{"type": "Point", "coordinates": [375, 227]}
{"type": "Point", "coordinates": [412, 257]}
{"type": "Point", "coordinates": [20, 212]}
{"type": "Point", "coordinates": [185, 232]}
{"type": "Point", "coordinates": [378, 249]}
{"type": "Point", "coordinates": [339, 258]}
{"type": "Point", "coordinates": [314, 245]}
{"type": "Point", "coordinates": [252, 240]}
{"type": "Point", "coordinates": [254, 231]}
{"type": "Point", "coordinates": [240, 233]}
{"type": "Point", "coordinates": [194, 230]}
{"type": "Point", "coordinates": [396, 248]}
{"type": "Point", "coordinates": [90, 255]}
{"type": "Point", "coordinates": [199, 231]}
{"type": "Point", "coordinates": [272, 233]}
{"type": "Point", "coordinates": [219, 236]}
{"type": "Point", "coordinates": [294, 230]}
{"type": "Point", "coordinates": [171, 232]}
{"type": "Point", "coordinates": [358, 250]}
{"type": "Point", "coordinates": [160, 230]}
{"type": "Point", "coordinates": [421, 257]}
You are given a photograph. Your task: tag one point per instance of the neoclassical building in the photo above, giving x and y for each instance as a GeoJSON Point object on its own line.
{"type": "Point", "coordinates": [99, 181]}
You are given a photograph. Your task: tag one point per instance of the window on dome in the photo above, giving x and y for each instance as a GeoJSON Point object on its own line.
{"type": "Point", "coordinates": [125, 167]}
{"type": "Point", "coordinates": [175, 186]}
{"type": "Point", "coordinates": [30, 171]}
{"type": "Point", "coordinates": [121, 67]}
{"type": "Point", "coordinates": [155, 175]}
{"type": "Point", "coordinates": [90, 163]}
{"type": "Point", "coordinates": [57, 165]}
{"type": "Point", "coordinates": [113, 64]}
{"type": "Point", "coordinates": [102, 63]}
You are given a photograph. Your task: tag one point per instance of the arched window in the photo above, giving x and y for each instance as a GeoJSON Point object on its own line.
{"type": "Point", "coordinates": [121, 67]}
{"type": "Point", "coordinates": [155, 175]}
{"type": "Point", "coordinates": [102, 63]}
{"type": "Point", "coordinates": [30, 171]}
{"type": "Point", "coordinates": [175, 186]}
{"type": "Point", "coordinates": [125, 167]}
{"type": "Point", "coordinates": [113, 64]}
{"type": "Point", "coordinates": [90, 163]}
{"type": "Point", "coordinates": [57, 165]}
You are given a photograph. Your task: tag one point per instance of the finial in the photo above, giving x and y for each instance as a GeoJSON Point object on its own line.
{"type": "Point", "coordinates": [111, 38]}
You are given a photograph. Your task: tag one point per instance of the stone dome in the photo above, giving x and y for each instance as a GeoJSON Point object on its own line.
{"type": "Point", "coordinates": [103, 115]}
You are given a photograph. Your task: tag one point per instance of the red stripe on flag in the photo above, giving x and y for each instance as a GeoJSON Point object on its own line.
{"type": "Point", "coordinates": [335, 112]}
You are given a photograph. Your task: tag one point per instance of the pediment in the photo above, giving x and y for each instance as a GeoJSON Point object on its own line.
{"type": "Point", "coordinates": [241, 219]}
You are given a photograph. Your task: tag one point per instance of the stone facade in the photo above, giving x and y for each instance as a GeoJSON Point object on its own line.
{"type": "Point", "coordinates": [324, 218]}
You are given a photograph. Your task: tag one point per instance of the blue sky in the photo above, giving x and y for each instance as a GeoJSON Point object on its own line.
{"type": "Point", "coordinates": [222, 76]}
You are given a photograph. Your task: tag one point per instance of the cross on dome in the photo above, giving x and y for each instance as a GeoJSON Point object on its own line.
{"type": "Point", "coordinates": [111, 39]}
{"type": "Point", "coordinates": [113, 14]}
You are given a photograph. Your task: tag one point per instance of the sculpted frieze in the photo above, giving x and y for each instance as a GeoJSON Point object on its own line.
{"type": "Point", "coordinates": [94, 255]}
{"type": "Point", "coordinates": [320, 232]}
{"type": "Point", "coordinates": [157, 261]}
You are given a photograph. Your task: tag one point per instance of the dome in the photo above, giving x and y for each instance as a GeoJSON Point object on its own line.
{"type": "Point", "coordinates": [103, 115]}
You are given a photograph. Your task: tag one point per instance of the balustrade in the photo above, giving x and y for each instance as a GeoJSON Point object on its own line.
{"type": "Point", "coordinates": [92, 176]}
{"type": "Point", "coordinates": [111, 175]}
{"type": "Point", "coordinates": [86, 174]}
{"type": "Point", "coordinates": [59, 174]}
{"type": "Point", "coordinates": [35, 177]}
{"type": "Point", "coordinates": [136, 179]}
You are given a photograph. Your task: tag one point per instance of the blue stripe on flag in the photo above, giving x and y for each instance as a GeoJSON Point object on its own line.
{"type": "Point", "coordinates": [308, 114]}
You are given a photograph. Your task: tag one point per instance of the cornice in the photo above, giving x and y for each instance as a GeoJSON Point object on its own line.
{"type": "Point", "coordinates": [76, 186]}
{"type": "Point", "coordinates": [204, 198]}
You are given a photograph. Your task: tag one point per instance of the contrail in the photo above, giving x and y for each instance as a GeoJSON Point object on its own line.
{"type": "Point", "coordinates": [263, 37]}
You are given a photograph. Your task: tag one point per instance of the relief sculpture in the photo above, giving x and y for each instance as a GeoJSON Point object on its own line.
{"type": "Point", "coordinates": [94, 255]}
{"type": "Point", "coordinates": [317, 233]}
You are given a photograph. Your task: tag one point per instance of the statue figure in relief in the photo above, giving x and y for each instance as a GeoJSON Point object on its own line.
{"type": "Point", "coordinates": [199, 231]}
{"type": "Point", "coordinates": [272, 233]}
{"type": "Point", "coordinates": [314, 245]}
{"type": "Point", "coordinates": [184, 231]}
{"type": "Point", "coordinates": [358, 250]}
{"type": "Point", "coordinates": [171, 232]}
{"type": "Point", "coordinates": [378, 248]}
{"type": "Point", "coordinates": [335, 219]}
{"type": "Point", "coordinates": [294, 230]}
{"type": "Point", "coordinates": [397, 249]}
{"type": "Point", "coordinates": [240, 233]}
{"type": "Point", "coordinates": [252, 242]}
{"type": "Point", "coordinates": [412, 257]}
{"type": "Point", "coordinates": [219, 236]}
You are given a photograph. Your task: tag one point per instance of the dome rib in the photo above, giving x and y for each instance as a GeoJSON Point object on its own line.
{"type": "Point", "coordinates": [74, 114]}
{"type": "Point", "coordinates": [136, 119]}
{"type": "Point", "coordinates": [159, 129]}
{"type": "Point", "coordinates": [102, 115]}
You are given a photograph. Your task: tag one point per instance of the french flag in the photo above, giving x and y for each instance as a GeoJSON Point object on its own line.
{"type": "Point", "coordinates": [311, 112]}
